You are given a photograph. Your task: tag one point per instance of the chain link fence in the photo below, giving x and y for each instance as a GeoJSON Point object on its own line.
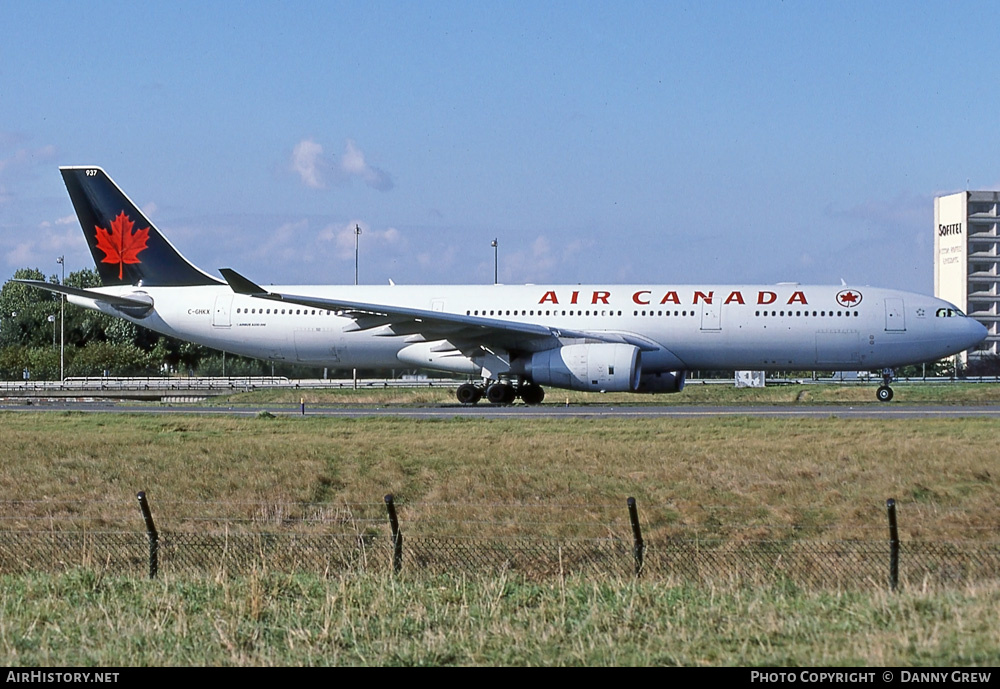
{"type": "Point", "coordinates": [353, 539]}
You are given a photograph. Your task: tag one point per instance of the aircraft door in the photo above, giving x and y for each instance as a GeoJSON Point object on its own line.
{"type": "Point", "coordinates": [895, 320]}
{"type": "Point", "coordinates": [221, 316]}
{"type": "Point", "coordinates": [711, 317]}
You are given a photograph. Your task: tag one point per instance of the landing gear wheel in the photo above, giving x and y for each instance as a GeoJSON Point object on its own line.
{"type": "Point", "coordinates": [499, 393]}
{"type": "Point", "coordinates": [884, 393]}
{"type": "Point", "coordinates": [468, 393]}
{"type": "Point", "coordinates": [509, 395]}
{"type": "Point", "coordinates": [532, 394]}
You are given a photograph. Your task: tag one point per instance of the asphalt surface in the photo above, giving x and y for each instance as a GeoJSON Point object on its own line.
{"type": "Point", "coordinates": [866, 411]}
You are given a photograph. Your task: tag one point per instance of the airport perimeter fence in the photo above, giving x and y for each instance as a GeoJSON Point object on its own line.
{"type": "Point", "coordinates": [364, 547]}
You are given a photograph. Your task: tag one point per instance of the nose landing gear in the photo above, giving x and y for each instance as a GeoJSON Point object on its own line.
{"type": "Point", "coordinates": [884, 392]}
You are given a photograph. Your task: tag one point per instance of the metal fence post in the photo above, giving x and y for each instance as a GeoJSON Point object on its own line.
{"type": "Point", "coordinates": [151, 534]}
{"type": "Point", "coordinates": [638, 547]}
{"type": "Point", "coordinates": [397, 537]}
{"type": "Point", "coordinates": [893, 545]}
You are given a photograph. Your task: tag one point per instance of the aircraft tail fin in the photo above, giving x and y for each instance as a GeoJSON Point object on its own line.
{"type": "Point", "coordinates": [127, 247]}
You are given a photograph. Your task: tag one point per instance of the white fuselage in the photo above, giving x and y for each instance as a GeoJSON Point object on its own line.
{"type": "Point", "coordinates": [682, 327]}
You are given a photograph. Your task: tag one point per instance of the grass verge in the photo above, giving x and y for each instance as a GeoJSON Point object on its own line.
{"type": "Point", "coordinates": [81, 619]}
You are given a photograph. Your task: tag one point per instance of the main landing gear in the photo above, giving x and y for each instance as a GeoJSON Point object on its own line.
{"type": "Point", "coordinates": [498, 392]}
{"type": "Point", "coordinates": [884, 392]}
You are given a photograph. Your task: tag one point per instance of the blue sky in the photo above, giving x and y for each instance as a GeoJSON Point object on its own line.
{"type": "Point", "coordinates": [664, 142]}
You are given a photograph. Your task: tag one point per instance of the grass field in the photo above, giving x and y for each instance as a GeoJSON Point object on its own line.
{"type": "Point", "coordinates": [79, 618]}
{"type": "Point", "coordinates": [732, 475]}
{"type": "Point", "coordinates": [737, 478]}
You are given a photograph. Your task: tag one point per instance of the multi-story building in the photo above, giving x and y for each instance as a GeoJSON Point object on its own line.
{"type": "Point", "coordinates": [967, 258]}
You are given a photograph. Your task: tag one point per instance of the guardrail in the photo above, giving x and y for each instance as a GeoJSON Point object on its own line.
{"type": "Point", "coordinates": [147, 387]}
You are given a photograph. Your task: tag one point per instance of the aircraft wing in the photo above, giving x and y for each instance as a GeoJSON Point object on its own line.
{"type": "Point", "coordinates": [464, 332]}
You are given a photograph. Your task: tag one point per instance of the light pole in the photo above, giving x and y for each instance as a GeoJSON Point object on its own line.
{"type": "Point", "coordinates": [496, 260]}
{"type": "Point", "coordinates": [52, 320]}
{"type": "Point", "coordinates": [357, 244]}
{"type": "Point", "coordinates": [62, 322]}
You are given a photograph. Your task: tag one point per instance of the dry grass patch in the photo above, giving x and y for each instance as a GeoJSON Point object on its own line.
{"type": "Point", "coordinates": [738, 477]}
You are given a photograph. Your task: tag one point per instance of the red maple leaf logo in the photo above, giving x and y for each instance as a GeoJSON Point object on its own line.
{"type": "Point", "coordinates": [120, 244]}
{"type": "Point", "coordinates": [849, 297]}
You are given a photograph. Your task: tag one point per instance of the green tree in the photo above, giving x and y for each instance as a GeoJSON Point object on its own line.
{"type": "Point", "coordinates": [24, 312]}
{"type": "Point", "coordinates": [96, 358]}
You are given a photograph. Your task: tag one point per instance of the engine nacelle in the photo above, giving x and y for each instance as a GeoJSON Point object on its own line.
{"type": "Point", "coordinates": [594, 367]}
{"type": "Point", "coordinates": [669, 381]}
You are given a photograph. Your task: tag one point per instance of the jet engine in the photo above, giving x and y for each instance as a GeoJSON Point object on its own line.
{"type": "Point", "coordinates": [594, 367]}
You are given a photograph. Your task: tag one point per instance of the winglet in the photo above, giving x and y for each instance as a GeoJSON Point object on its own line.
{"type": "Point", "coordinates": [242, 285]}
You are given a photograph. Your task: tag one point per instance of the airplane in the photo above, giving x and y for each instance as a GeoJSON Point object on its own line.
{"type": "Point", "coordinates": [511, 340]}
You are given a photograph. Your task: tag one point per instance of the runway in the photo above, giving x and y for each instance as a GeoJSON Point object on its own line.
{"type": "Point", "coordinates": [556, 411]}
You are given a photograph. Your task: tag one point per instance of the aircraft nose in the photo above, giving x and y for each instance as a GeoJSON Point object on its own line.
{"type": "Point", "coordinates": [975, 332]}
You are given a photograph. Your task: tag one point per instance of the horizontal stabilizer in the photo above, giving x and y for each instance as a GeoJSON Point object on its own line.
{"type": "Point", "coordinates": [89, 294]}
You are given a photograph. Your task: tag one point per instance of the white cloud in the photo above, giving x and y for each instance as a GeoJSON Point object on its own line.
{"type": "Point", "coordinates": [307, 162]}
{"type": "Point", "coordinates": [353, 164]}
{"type": "Point", "coordinates": [21, 255]}
{"type": "Point", "coordinates": [535, 264]}
{"type": "Point", "coordinates": [342, 237]}
{"type": "Point", "coordinates": [284, 243]}
{"type": "Point", "coordinates": [45, 243]}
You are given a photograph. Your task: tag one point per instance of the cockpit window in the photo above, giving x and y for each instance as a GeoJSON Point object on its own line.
{"type": "Point", "coordinates": [949, 313]}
